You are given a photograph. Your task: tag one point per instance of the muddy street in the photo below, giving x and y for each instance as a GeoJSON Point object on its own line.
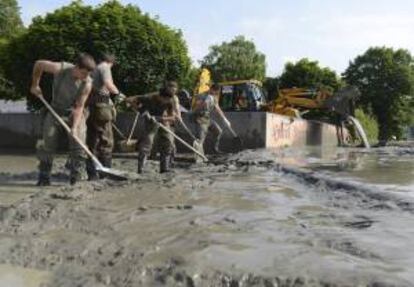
{"type": "Point", "coordinates": [314, 217]}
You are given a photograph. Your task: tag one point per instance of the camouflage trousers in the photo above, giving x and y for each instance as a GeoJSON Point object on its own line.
{"type": "Point", "coordinates": [52, 131]}
{"type": "Point", "coordinates": [100, 140]}
{"type": "Point", "coordinates": [203, 125]}
{"type": "Point", "coordinates": [148, 131]}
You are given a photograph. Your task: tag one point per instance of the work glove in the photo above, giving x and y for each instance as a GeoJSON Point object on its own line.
{"type": "Point", "coordinates": [119, 98]}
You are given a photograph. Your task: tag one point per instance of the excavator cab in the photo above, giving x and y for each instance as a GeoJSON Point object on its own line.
{"type": "Point", "coordinates": [245, 95]}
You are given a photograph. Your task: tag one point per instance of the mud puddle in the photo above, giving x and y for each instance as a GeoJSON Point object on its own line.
{"type": "Point", "coordinates": [260, 218]}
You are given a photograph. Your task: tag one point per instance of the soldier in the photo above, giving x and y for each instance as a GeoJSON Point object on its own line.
{"type": "Point", "coordinates": [100, 138]}
{"type": "Point", "coordinates": [203, 105]}
{"type": "Point", "coordinates": [162, 107]}
{"type": "Point", "coordinates": [71, 88]}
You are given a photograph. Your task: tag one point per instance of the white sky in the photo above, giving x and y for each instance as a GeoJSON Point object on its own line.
{"type": "Point", "coordinates": [332, 32]}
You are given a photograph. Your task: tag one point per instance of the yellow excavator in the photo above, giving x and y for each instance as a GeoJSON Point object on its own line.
{"type": "Point", "coordinates": [297, 102]}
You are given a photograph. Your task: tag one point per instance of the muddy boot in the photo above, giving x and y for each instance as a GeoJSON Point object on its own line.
{"type": "Point", "coordinates": [45, 168]}
{"type": "Point", "coordinates": [43, 180]}
{"type": "Point", "coordinates": [142, 158]}
{"type": "Point", "coordinates": [75, 178]}
{"type": "Point", "coordinates": [91, 171]}
{"type": "Point", "coordinates": [172, 160]}
{"type": "Point", "coordinates": [76, 171]}
{"type": "Point", "coordinates": [217, 144]}
{"type": "Point", "coordinates": [106, 162]}
{"type": "Point", "coordinates": [165, 161]}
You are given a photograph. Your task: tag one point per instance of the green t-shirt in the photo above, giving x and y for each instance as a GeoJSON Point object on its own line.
{"type": "Point", "coordinates": [66, 88]}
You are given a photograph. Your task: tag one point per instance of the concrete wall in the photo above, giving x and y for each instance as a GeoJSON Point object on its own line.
{"type": "Point", "coordinates": [257, 130]}
{"type": "Point", "coordinates": [19, 130]}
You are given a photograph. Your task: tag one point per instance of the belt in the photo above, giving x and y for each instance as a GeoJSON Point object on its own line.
{"type": "Point", "coordinates": [101, 98]}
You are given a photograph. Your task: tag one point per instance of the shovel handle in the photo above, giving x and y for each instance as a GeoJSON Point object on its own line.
{"type": "Point", "coordinates": [188, 130]}
{"type": "Point", "coordinates": [183, 141]}
{"type": "Point", "coordinates": [66, 127]}
{"type": "Point", "coordinates": [133, 127]}
{"type": "Point", "coordinates": [118, 131]}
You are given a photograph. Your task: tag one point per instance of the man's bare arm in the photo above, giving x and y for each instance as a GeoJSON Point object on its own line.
{"type": "Point", "coordinates": [109, 84]}
{"type": "Point", "coordinates": [77, 111]}
{"type": "Point", "coordinates": [39, 68]}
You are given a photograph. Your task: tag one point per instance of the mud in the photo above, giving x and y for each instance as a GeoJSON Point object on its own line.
{"type": "Point", "coordinates": [259, 218]}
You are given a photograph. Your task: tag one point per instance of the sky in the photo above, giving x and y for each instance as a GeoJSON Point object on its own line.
{"type": "Point", "coordinates": [331, 32]}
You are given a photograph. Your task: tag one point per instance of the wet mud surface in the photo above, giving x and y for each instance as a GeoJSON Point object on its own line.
{"type": "Point", "coordinates": [259, 218]}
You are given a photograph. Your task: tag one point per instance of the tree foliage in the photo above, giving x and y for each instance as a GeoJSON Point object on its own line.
{"type": "Point", "coordinates": [308, 74]}
{"type": "Point", "coordinates": [369, 124]}
{"type": "Point", "coordinates": [235, 60]}
{"type": "Point", "coordinates": [147, 51]}
{"type": "Point", "coordinates": [271, 87]}
{"type": "Point", "coordinates": [10, 21]}
{"type": "Point", "coordinates": [385, 78]}
{"type": "Point", "coordinates": [10, 26]}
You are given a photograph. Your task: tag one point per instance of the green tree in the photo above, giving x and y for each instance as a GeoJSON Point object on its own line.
{"type": "Point", "coordinates": [236, 60]}
{"type": "Point", "coordinates": [10, 26]}
{"type": "Point", "coordinates": [385, 78]}
{"type": "Point", "coordinates": [308, 74]}
{"type": "Point", "coordinates": [10, 21]}
{"type": "Point", "coordinates": [147, 51]}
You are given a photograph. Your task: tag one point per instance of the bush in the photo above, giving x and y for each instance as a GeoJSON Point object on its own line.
{"type": "Point", "coordinates": [370, 125]}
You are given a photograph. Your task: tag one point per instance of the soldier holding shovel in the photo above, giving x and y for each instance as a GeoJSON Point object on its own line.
{"type": "Point", "coordinates": [71, 88]}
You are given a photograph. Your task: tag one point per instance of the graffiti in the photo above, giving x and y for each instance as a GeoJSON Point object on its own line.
{"type": "Point", "coordinates": [282, 131]}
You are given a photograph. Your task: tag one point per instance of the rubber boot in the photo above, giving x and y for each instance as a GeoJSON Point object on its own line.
{"type": "Point", "coordinates": [91, 170]}
{"type": "Point", "coordinates": [217, 144]}
{"type": "Point", "coordinates": [106, 162]}
{"type": "Point", "coordinates": [43, 179]}
{"type": "Point", "coordinates": [45, 168]}
{"type": "Point", "coordinates": [142, 158]}
{"type": "Point", "coordinates": [165, 161]}
{"type": "Point", "coordinates": [75, 172]}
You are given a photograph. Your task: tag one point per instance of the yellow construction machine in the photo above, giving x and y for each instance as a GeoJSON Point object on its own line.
{"type": "Point", "coordinates": [315, 104]}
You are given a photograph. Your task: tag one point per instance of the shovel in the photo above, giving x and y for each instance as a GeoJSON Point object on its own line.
{"type": "Point", "coordinates": [111, 173]}
{"type": "Point", "coordinates": [237, 142]}
{"type": "Point", "coordinates": [118, 131]}
{"type": "Point", "coordinates": [183, 142]}
{"type": "Point", "coordinates": [196, 144]}
{"type": "Point", "coordinates": [129, 145]}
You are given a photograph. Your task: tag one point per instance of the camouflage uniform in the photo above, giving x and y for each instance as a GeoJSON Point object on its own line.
{"type": "Point", "coordinates": [66, 91]}
{"type": "Point", "coordinates": [148, 129]}
{"type": "Point", "coordinates": [100, 138]}
{"type": "Point", "coordinates": [203, 106]}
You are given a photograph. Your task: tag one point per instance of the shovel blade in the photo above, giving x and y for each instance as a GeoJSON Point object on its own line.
{"type": "Point", "coordinates": [237, 144]}
{"type": "Point", "coordinates": [112, 173]}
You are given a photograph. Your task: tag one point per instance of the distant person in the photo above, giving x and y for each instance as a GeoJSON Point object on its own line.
{"type": "Point", "coordinates": [203, 106]}
{"type": "Point", "coordinates": [105, 95]}
{"type": "Point", "coordinates": [71, 88]}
